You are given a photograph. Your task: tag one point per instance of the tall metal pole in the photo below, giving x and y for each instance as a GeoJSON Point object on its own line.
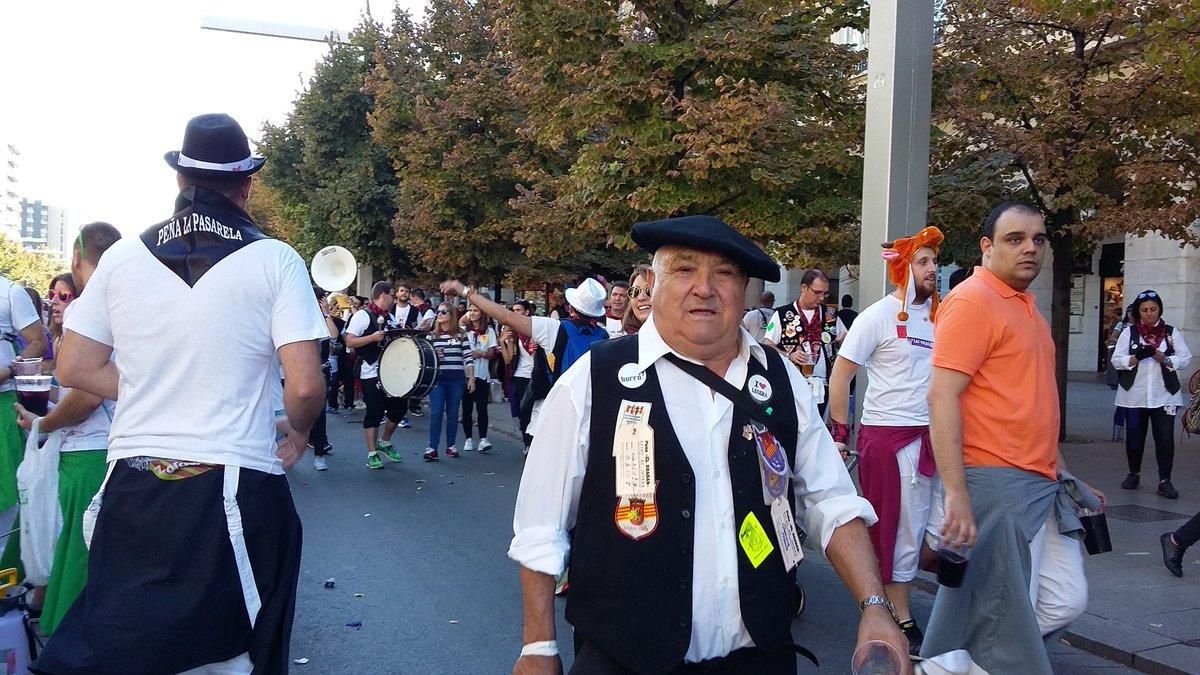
{"type": "Point", "coordinates": [896, 170]}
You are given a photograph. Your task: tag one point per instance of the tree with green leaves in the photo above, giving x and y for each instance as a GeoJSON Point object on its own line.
{"type": "Point", "coordinates": [1087, 109]}
{"type": "Point", "coordinates": [331, 178]}
{"type": "Point", "coordinates": [26, 268]}
{"type": "Point", "coordinates": [742, 109]}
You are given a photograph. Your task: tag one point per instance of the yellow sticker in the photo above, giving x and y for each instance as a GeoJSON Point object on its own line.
{"type": "Point", "coordinates": [754, 540]}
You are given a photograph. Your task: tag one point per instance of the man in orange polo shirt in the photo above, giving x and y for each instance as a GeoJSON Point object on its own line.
{"type": "Point", "coordinates": [994, 422]}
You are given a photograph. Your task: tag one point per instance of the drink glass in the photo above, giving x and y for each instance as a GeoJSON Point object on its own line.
{"type": "Point", "coordinates": [952, 564]}
{"type": "Point", "coordinates": [876, 658]}
{"type": "Point", "coordinates": [1095, 531]}
{"type": "Point", "coordinates": [808, 362]}
{"type": "Point", "coordinates": [33, 392]}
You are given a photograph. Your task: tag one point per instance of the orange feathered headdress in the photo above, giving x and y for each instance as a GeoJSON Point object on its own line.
{"type": "Point", "coordinates": [899, 255]}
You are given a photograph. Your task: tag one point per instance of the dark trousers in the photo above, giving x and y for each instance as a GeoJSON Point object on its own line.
{"type": "Point", "coordinates": [591, 660]}
{"type": "Point", "coordinates": [318, 436]}
{"type": "Point", "coordinates": [1189, 534]}
{"type": "Point", "coordinates": [332, 384]}
{"type": "Point", "coordinates": [346, 374]}
{"type": "Point", "coordinates": [477, 400]}
{"type": "Point", "coordinates": [1162, 426]}
{"type": "Point", "coordinates": [519, 386]}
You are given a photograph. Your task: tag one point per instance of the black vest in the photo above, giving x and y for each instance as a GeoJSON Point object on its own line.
{"type": "Point", "coordinates": [370, 353]}
{"type": "Point", "coordinates": [1170, 377]}
{"type": "Point", "coordinates": [410, 319]}
{"type": "Point", "coordinates": [789, 316]}
{"type": "Point", "coordinates": [634, 598]}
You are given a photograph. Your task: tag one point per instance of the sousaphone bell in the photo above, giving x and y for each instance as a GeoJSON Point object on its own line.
{"type": "Point", "coordinates": [334, 269]}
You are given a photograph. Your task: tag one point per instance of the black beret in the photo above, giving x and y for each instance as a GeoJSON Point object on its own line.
{"type": "Point", "coordinates": [706, 233]}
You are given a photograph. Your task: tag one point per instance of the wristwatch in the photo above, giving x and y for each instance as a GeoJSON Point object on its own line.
{"type": "Point", "coordinates": [877, 600]}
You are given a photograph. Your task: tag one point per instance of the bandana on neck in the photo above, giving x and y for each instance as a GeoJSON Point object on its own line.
{"type": "Point", "coordinates": [207, 227]}
{"type": "Point", "coordinates": [1152, 336]}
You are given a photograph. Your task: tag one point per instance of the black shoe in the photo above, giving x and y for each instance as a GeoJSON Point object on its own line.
{"type": "Point", "coordinates": [1172, 554]}
{"type": "Point", "coordinates": [1131, 482]}
{"type": "Point", "coordinates": [1165, 489]}
{"type": "Point", "coordinates": [914, 635]}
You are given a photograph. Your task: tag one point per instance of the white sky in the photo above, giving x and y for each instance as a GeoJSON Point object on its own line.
{"type": "Point", "coordinates": [93, 93]}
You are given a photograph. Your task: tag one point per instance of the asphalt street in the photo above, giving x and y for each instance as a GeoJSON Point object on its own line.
{"type": "Point", "coordinates": [422, 582]}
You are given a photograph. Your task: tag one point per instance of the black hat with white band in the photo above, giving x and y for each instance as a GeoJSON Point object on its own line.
{"type": "Point", "coordinates": [214, 146]}
{"type": "Point", "coordinates": [706, 233]}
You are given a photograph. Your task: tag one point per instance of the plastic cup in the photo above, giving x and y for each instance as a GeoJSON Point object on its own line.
{"type": "Point", "coordinates": [876, 658]}
{"type": "Point", "coordinates": [22, 366]}
{"type": "Point", "coordinates": [952, 564]}
{"type": "Point", "coordinates": [1095, 531]}
{"type": "Point", "coordinates": [33, 392]}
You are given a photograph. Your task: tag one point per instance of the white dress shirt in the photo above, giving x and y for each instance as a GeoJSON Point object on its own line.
{"type": "Point", "coordinates": [548, 499]}
{"type": "Point", "coordinates": [1148, 390]}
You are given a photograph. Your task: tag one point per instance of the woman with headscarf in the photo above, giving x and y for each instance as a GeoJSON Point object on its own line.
{"type": "Point", "coordinates": [1149, 355]}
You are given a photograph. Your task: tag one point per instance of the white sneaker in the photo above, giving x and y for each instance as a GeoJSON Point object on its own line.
{"type": "Point", "coordinates": [319, 464]}
{"type": "Point", "coordinates": [469, 445]}
{"type": "Point", "coordinates": [484, 445]}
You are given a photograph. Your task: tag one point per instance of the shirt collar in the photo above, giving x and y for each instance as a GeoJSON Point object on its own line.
{"type": "Point", "coordinates": [1004, 290]}
{"type": "Point", "coordinates": [652, 347]}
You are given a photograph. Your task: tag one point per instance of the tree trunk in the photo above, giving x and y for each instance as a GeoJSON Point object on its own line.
{"type": "Point", "coordinates": [1060, 309]}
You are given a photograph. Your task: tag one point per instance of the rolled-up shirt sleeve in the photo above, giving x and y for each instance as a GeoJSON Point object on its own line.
{"type": "Point", "coordinates": [548, 498]}
{"type": "Point", "coordinates": [820, 482]}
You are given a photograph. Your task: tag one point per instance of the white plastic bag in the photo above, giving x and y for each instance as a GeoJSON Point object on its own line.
{"type": "Point", "coordinates": [41, 515]}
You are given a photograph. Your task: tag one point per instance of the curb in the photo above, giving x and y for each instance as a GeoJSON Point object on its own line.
{"type": "Point", "coordinates": [1138, 660]}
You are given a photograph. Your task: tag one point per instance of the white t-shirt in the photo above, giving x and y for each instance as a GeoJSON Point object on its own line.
{"type": "Point", "coordinates": [898, 369]}
{"type": "Point", "coordinates": [16, 314]}
{"type": "Point", "coordinates": [92, 432]}
{"type": "Point", "coordinates": [613, 325]}
{"type": "Point", "coordinates": [755, 322]}
{"type": "Point", "coordinates": [774, 332]}
{"type": "Point", "coordinates": [195, 380]}
{"type": "Point", "coordinates": [524, 361]}
{"type": "Point", "coordinates": [357, 326]}
{"type": "Point", "coordinates": [475, 341]}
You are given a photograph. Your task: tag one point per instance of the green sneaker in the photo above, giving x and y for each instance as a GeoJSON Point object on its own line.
{"type": "Point", "coordinates": [373, 461]}
{"type": "Point", "coordinates": [389, 450]}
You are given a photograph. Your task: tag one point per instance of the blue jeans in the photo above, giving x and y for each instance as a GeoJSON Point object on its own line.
{"type": "Point", "coordinates": [444, 401]}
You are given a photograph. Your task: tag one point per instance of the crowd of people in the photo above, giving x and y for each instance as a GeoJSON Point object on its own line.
{"type": "Point", "coordinates": [668, 430]}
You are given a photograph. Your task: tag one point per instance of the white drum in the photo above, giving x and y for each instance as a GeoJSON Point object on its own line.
{"type": "Point", "coordinates": [408, 367]}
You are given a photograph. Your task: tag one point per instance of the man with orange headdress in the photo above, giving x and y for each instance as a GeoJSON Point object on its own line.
{"type": "Point", "coordinates": [893, 338]}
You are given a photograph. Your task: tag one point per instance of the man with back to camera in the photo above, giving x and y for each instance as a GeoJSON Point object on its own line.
{"type": "Point", "coordinates": [195, 550]}
{"type": "Point", "coordinates": [993, 408]}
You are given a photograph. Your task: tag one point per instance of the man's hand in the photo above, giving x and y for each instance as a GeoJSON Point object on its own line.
{"type": "Point", "coordinates": [958, 529]}
{"type": "Point", "coordinates": [1158, 356]}
{"type": "Point", "coordinates": [291, 448]}
{"type": "Point", "coordinates": [471, 386]}
{"type": "Point", "coordinates": [842, 449]}
{"type": "Point", "coordinates": [25, 418]}
{"type": "Point", "coordinates": [877, 624]}
{"type": "Point", "coordinates": [452, 287]}
{"type": "Point", "coordinates": [798, 357]}
{"type": "Point", "coordinates": [538, 665]}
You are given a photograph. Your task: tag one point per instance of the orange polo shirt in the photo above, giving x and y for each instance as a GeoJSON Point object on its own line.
{"type": "Point", "coordinates": [995, 334]}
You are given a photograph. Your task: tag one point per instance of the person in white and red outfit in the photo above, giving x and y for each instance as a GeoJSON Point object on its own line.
{"type": "Point", "coordinates": [518, 350]}
{"type": "Point", "coordinates": [893, 338]}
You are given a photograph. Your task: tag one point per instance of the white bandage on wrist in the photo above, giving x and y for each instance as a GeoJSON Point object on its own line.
{"type": "Point", "coordinates": [543, 648]}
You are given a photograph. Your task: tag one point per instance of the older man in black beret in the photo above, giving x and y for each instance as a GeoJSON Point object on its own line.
{"type": "Point", "coordinates": [677, 456]}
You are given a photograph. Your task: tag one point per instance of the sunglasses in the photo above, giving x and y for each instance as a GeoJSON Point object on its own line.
{"type": "Point", "coordinates": [63, 296]}
{"type": "Point", "coordinates": [443, 312]}
{"type": "Point", "coordinates": [1147, 294]}
{"type": "Point", "coordinates": [637, 292]}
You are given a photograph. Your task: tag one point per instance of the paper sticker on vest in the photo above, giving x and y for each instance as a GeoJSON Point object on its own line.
{"type": "Point", "coordinates": [631, 376]}
{"type": "Point", "coordinates": [786, 533]}
{"type": "Point", "coordinates": [754, 540]}
{"type": "Point", "coordinates": [760, 388]}
{"type": "Point", "coordinates": [637, 516]}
